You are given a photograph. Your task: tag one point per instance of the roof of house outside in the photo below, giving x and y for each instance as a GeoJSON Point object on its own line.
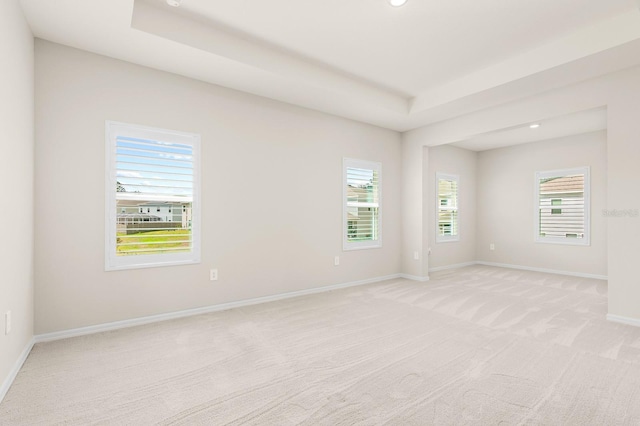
{"type": "Point", "coordinates": [563, 185]}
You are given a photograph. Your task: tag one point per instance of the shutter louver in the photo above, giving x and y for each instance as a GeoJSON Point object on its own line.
{"type": "Point", "coordinates": [362, 204]}
{"type": "Point", "coordinates": [447, 207]}
{"type": "Point", "coordinates": [561, 208]}
{"type": "Point", "coordinates": [154, 196]}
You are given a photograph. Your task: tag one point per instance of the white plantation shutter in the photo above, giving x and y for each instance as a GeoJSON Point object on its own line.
{"type": "Point", "coordinates": [152, 197]}
{"type": "Point", "coordinates": [362, 201]}
{"type": "Point", "coordinates": [448, 227]}
{"type": "Point", "coordinates": [562, 206]}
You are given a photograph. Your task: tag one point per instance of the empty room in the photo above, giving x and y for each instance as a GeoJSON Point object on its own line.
{"type": "Point", "coordinates": [371, 212]}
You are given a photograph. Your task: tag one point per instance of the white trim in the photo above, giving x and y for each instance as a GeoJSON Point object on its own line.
{"type": "Point", "coordinates": [623, 320]}
{"type": "Point", "coordinates": [360, 164]}
{"type": "Point", "coordinates": [414, 278]}
{"type": "Point", "coordinates": [16, 369]}
{"type": "Point", "coordinates": [456, 266]}
{"type": "Point", "coordinates": [548, 271]}
{"type": "Point", "coordinates": [113, 262]}
{"type": "Point", "coordinates": [64, 334]}
{"type": "Point", "coordinates": [586, 191]}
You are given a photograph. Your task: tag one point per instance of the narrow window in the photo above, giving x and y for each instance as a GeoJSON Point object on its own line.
{"type": "Point", "coordinates": [448, 228]}
{"type": "Point", "coordinates": [562, 206]}
{"type": "Point", "coordinates": [362, 204]}
{"type": "Point", "coordinates": [150, 166]}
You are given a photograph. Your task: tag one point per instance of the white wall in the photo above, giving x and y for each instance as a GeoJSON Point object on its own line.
{"type": "Point", "coordinates": [16, 174]}
{"type": "Point", "coordinates": [462, 162]}
{"type": "Point", "coordinates": [414, 222]}
{"type": "Point", "coordinates": [623, 155]}
{"type": "Point", "coordinates": [506, 212]}
{"type": "Point", "coordinates": [272, 195]}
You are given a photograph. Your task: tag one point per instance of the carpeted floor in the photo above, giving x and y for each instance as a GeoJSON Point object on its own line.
{"type": "Point", "coordinates": [479, 345]}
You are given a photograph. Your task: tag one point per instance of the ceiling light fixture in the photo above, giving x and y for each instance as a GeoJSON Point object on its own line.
{"type": "Point", "coordinates": [397, 3]}
{"type": "Point", "coordinates": [534, 126]}
{"type": "Point", "coordinates": [174, 3]}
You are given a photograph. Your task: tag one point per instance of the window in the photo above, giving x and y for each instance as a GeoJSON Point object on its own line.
{"type": "Point", "coordinates": [362, 200]}
{"type": "Point", "coordinates": [448, 228]}
{"type": "Point", "coordinates": [562, 206]}
{"type": "Point", "coordinates": [147, 167]}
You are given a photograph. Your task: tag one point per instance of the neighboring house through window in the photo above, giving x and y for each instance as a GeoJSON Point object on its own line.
{"type": "Point", "coordinates": [362, 200]}
{"type": "Point", "coordinates": [448, 228]}
{"type": "Point", "coordinates": [149, 170]}
{"type": "Point", "coordinates": [562, 206]}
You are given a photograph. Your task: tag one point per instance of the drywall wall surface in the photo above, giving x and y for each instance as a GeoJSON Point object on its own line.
{"type": "Point", "coordinates": [414, 259]}
{"type": "Point", "coordinates": [507, 213]}
{"type": "Point", "coordinates": [271, 192]}
{"type": "Point", "coordinates": [16, 173]}
{"type": "Point", "coordinates": [462, 163]}
{"type": "Point", "coordinates": [623, 206]}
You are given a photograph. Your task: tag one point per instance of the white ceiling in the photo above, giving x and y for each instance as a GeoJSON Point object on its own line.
{"type": "Point", "coordinates": [399, 68]}
{"type": "Point", "coordinates": [408, 49]}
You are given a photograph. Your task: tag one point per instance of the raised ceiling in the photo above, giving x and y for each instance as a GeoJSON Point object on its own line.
{"type": "Point", "coordinates": [408, 49]}
{"type": "Point", "coordinates": [587, 121]}
{"type": "Point", "coordinates": [399, 68]}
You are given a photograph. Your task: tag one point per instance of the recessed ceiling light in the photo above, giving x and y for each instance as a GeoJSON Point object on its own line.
{"type": "Point", "coordinates": [397, 3]}
{"type": "Point", "coordinates": [534, 126]}
{"type": "Point", "coordinates": [174, 3]}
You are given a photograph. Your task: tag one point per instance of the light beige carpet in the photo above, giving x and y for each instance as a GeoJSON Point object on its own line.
{"type": "Point", "coordinates": [475, 346]}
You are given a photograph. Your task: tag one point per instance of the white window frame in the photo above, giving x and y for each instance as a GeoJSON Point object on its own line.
{"type": "Point", "coordinates": [447, 238]}
{"type": "Point", "coordinates": [114, 262]}
{"type": "Point", "coordinates": [359, 245]}
{"type": "Point", "coordinates": [586, 240]}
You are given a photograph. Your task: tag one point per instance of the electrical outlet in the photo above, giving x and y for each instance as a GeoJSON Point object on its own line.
{"type": "Point", "coordinates": [492, 246]}
{"type": "Point", "coordinates": [7, 322]}
{"type": "Point", "coordinates": [336, 261]}
{"type": "Point", "coordinates": [213, 275]}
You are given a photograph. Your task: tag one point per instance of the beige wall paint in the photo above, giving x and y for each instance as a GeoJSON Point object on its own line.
{"type": "Point", "coordinates": [415, 236]}
{"type": "Point", "coordinates": [16, 174]}
{"type": "Point", "coordinates": [461, 162]}
{"type": "Point", "coordinates": [623, 154]}
{"type": "Point", "coordinates": [271, 192]}
{"type": "Point", "coordinates": [506, 211]}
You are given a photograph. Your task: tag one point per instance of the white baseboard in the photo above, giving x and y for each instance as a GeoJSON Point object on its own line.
{"type": "Point", "coordinates": [64, 334]}
{"type": "Point", "coordinates": [414, 277]}
{"type": "Point", "coordinates": [623, 320]}
{"type": "Point", "coordinates": [47, 337]}
{"type": "Point", "coordinates": [548, 271]}
{"type": "Point", "coordinates": [455, 266]}
{"type": "Point", "coordinates": [16, 368]}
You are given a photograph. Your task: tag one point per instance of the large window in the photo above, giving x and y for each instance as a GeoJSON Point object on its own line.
{"type": "Point", "coordinates": [448, 228]}
{"type": "Point", "coordinates": [152, 197]}
{"type": "Point", "coordinates": [562, 206]}
{"type": "Point", "coordinates": [362, 201]}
